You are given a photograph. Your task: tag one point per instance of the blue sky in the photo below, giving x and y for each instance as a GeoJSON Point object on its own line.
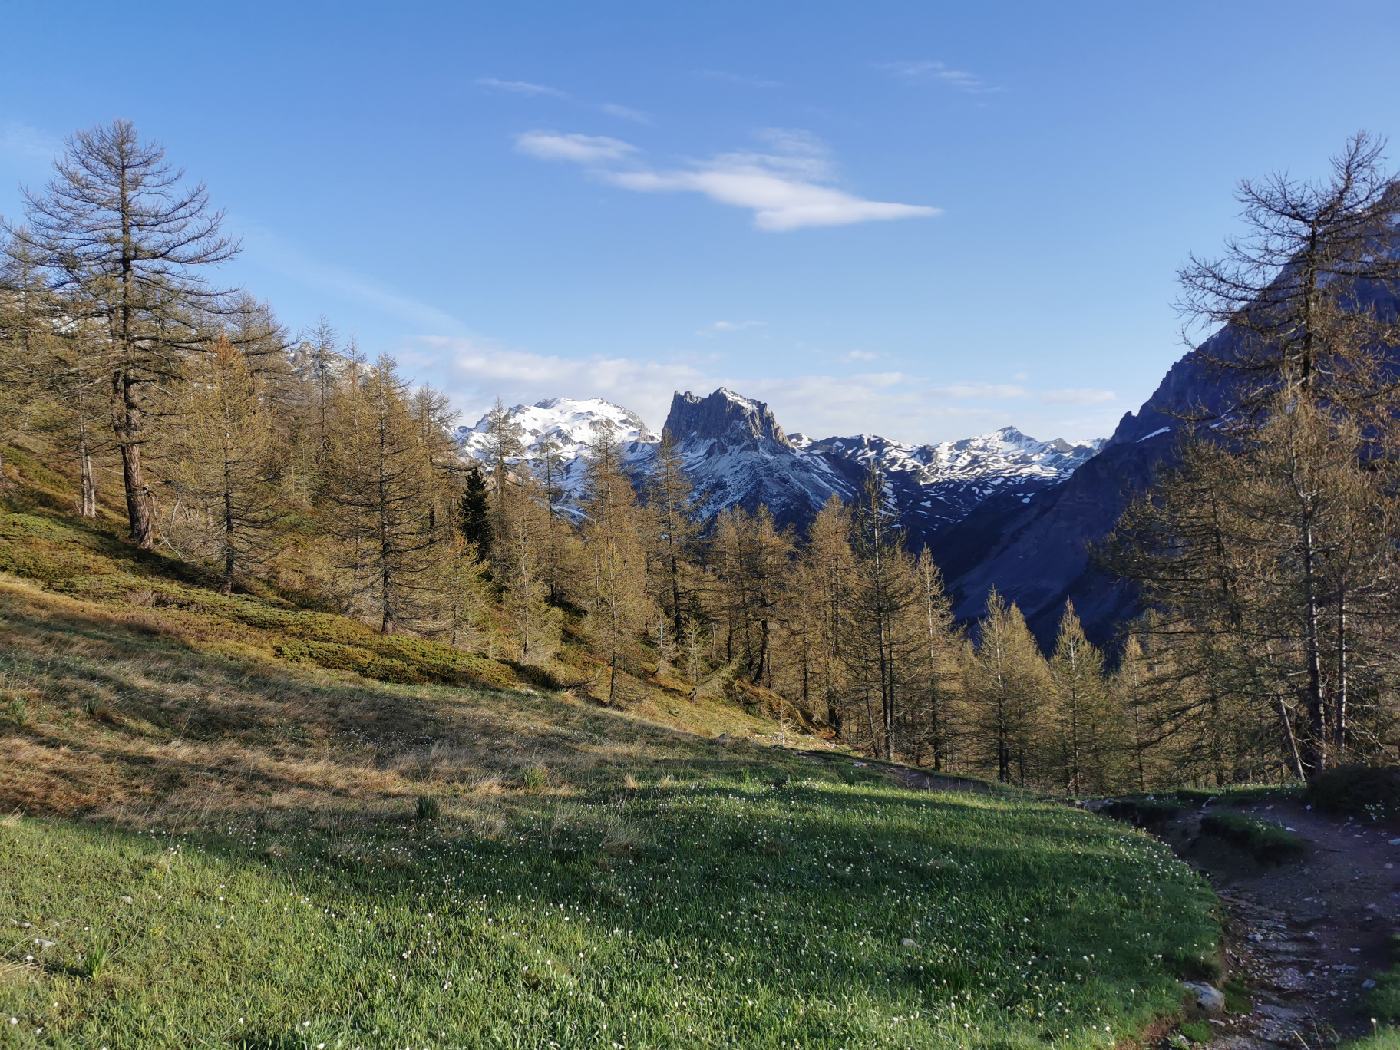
{"type": "Point", "coordinates": [922, 220]}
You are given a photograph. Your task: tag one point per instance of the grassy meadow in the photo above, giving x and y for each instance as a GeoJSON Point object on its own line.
{"type": "Point", "coordinates": [232, 821]}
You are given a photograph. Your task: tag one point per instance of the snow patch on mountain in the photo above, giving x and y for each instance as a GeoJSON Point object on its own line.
{"type": "Point", "coordinates": [736, 455]}
{"type": "Point", "coordinates": [570, 425]}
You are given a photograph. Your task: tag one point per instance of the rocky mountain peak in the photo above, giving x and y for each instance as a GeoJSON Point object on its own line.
{"type": "Point", "coordinates": [724, 417]}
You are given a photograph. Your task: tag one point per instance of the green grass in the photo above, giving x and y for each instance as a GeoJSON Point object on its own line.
{"type": "Point", "coordinates": [1383, 1001]}
{"type": "Point", "coordinates": [230, 839]}
{"type": "Point", "coordinates": [1381, 1039]}
{"type": "Point", "coordinates": [704, 913]}
{"type": "Point", "coordinates": [1238, 794]}
{"type": "Point", "coordinates": [1370, 793]}
{"type": "Point", "coordinates": [1266, 842]}
{"type": "Point", "coordinates": [1197, 1031]}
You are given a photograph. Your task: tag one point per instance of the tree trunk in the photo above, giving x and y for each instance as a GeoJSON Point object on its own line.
{"type": "Point", "coordinates": [1339, 734]}
{"type": "Point", "coordinates": [87, 484]}
{"type": "Point", "coordinates": [1290, 740]}
{"type": "Point", "coordinates": [127, 426]}
{"type": "Point", "coordinates": [228, 532]}
{"type": "Point", "coordinates": [1314, 751]}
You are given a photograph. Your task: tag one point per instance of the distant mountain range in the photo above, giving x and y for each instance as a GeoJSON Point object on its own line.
{"type": "Point", "coordinates": [736, 455]}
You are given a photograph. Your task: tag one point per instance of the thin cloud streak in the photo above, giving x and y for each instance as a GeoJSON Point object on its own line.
{"type": "Point", "coordinates": [28, 145]}
{"type": "Point", "coordinates": [530, 89]}
{"type": "Point", "coordinates": [721, 327]}
{"type": "Point", "coordinates": [1078, 396]}
{"type": "Point", "coordinates": [922, 71]}
{"type": "Point", "coordinates": [786, 186]}
{"type": "Point", "coordinates": [579, 149]}
{"type": "Point", "coordinates": [725, 76]}
{"type": "Point", "coordinates": [280, 256]}
{"type": "Point", "coordinates": [522, 87]}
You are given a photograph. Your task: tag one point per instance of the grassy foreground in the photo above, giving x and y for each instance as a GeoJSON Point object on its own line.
{"type": "Point", "coordinates": [215, 840]}
{"type": "Point", "coordinates": [703, 913]}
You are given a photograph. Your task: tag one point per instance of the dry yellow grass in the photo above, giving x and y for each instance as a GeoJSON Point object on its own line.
{"type": "Point", "coordinates": [112, 714]}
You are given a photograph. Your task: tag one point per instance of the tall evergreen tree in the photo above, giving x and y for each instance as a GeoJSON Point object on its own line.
{"type": "Point", "coordinates": [475, 514]}
{"type": "Point", "coordinates": [383, 491]}
{"type": "Point", "coordinates": [224, 446]}
{"type": "Point", "coordinates": [1008, 680]}
{"type": "Point", "coordinates": [617, 599]}
{"type": "Point", "coordinates": [125, 242]}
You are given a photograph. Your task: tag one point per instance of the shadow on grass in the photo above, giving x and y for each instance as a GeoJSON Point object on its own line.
{"type": "Point", "coordinates": [911, 903]}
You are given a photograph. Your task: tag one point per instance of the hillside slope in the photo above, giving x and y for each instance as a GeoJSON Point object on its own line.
{"type": "Point", "coordinates": [1039, 552]}
{"type": "Point", "coordinates": [222, 831]}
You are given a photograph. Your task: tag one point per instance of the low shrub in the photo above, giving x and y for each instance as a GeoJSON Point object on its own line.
{"type": "Point", "coordinates": [1152, 814]}
{"type": "Point", "coordinates": [1267, 843]}
{"type": "Point", "coordinates": [427, 809]}
{"type": "Point", "coordinates": [1368, 792]}
{"type": "Point", "coordinates": [1383, 1001]}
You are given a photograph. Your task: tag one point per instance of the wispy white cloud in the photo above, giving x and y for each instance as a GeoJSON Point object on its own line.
{"type": "Point", "coordinates": [894, 403]}
{"type": "Point", "coordinates": [720, 327]}
{"type": "Point", "coordinates": [982, 391]}
{"type": "Point", "coordinates": [522, 87]}
{"type": "Point", "coordinates": [860, 355]}
{"type": "Point", "coordinates": [580, 149]}
{"type": "Point", "coordinates": [270, 249]}
{"type": "Point", "coordinates": [636, 116]}
{"type": "Point", "coordinates": [474, 373]}
{"type": "Point", "coordinates": [1078, 396]}
{"type": "Point", "coordinates": [787, 183]}
{"type": "Point", "coordinates": [531, 89]}
{"type": "Point", "coordinates": [28, 145]}
{"type": "Point", "coordinates": [925, 71]}
{"type": "Point", "coordinates": [725, 76]}
{"type": "Point", "coordinates": [778, 203]}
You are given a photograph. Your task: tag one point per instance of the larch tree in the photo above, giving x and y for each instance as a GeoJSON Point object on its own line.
{"type": "Point", "coordinates": [1082, 725]}
{"type": "Point", "coordinates": [824, 586]}
{"type": "Point", "coordinates": [224, 447]}
{"type": "Point", "coordinates": [669, 497]}
{"type": "Point", "coordinates": [886, 589]}
{"type": "Point", "coordinates": [936, 689]}
{"type": "Point", "coordinates": [125, 241]}
{"type": "Point", "coordinates": [617, 602]}
{"type": "Point", "coordinates": [1007, 681]}
{"type": "Point", "coordinates": [384, 496]}
{"type": "Point", "coordinates": [1304, 294]}
{"type": "Point", "coordinates": [27, 326]}
{"type": "Point", "coordinates": [549, 467]}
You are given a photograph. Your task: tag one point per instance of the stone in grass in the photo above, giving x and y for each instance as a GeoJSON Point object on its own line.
{"type": "Point", "coordinates": [908, 942]}
{"type": "Point", "coordinates": [1208, 1000]}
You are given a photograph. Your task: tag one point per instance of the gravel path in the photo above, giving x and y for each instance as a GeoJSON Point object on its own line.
{"type": "Point", "coordinates": [1304, 936]}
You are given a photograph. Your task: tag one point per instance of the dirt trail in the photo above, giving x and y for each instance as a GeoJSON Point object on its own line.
{"type": "Point", "coordinates": [1305, 935]}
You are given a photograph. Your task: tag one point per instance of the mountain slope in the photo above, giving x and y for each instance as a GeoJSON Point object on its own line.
{"type": "Point", "coordinates": [1040, 554]}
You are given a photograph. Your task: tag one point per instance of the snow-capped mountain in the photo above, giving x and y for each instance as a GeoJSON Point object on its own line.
{"type": "Point", "coordinates": [736, 455]}
{"type": "Point", "coordinates": [935, 485]}
{"type": "Point", "coordinates": [569, 424]}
